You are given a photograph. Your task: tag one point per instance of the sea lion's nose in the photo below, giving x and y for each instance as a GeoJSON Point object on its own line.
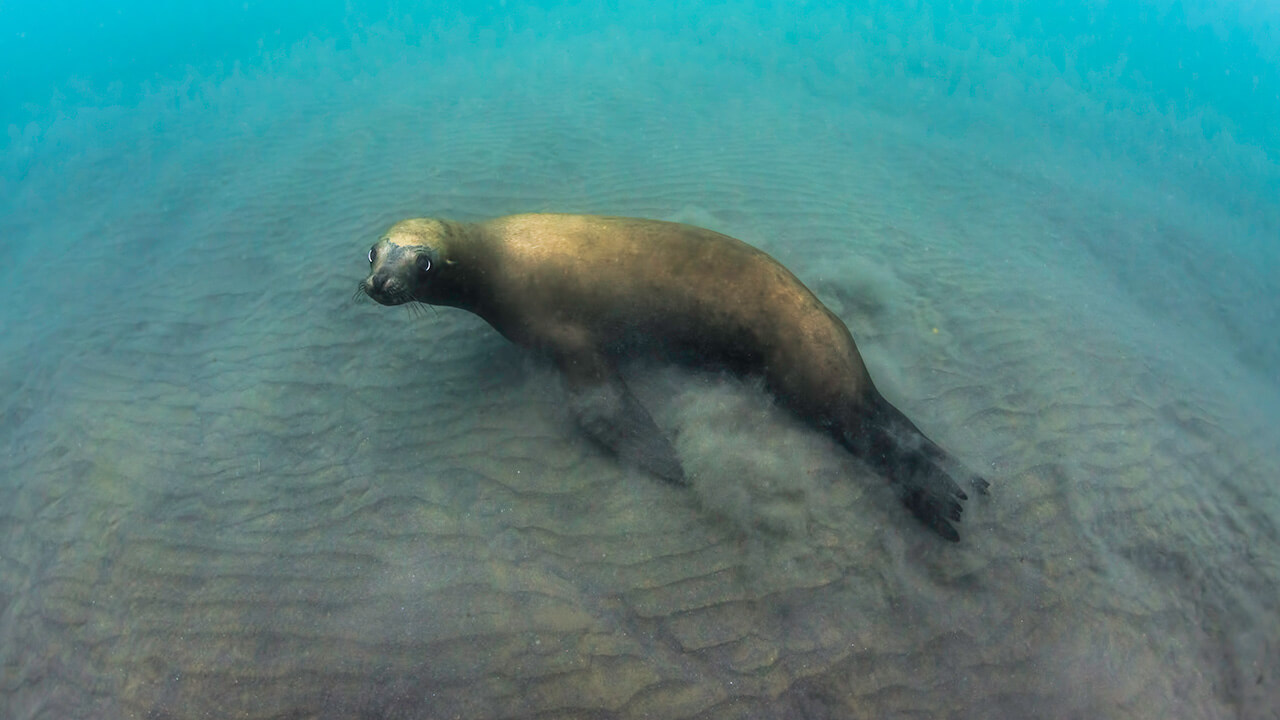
{"type": "Point", "coordinates": [378, 282]}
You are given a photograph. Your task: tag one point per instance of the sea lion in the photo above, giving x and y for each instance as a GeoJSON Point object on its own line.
{"type": "Point", "coordinates": [588, 291]}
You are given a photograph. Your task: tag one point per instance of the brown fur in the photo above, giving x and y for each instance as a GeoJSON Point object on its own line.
{"type": "Point", "coordinates": [586, 290]}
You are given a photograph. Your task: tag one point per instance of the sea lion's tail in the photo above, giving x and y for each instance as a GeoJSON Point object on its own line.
{"type": "Point", "coordinates": [917, 468]}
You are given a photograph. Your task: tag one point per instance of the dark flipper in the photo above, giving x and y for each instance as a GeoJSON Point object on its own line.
{"type": "Point", "coordinates": [607, 412]}
{"type": "Point", "coordinates": [612, 416]}
{"type": "Point", "coordinates": [914, 465]}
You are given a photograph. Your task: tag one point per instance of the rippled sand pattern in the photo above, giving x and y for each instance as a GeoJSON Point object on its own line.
{"type": "Point", "coordinates": [230, 491]}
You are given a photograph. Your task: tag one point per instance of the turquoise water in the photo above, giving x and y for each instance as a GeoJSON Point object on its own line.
{"type": "Point", "coordinates": [226, 490]}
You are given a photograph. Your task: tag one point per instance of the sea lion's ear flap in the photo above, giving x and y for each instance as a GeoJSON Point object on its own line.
{"type": "Point", "coordinates": [451, 235]}
{"type": "Point", "coordinates": [609, 414]}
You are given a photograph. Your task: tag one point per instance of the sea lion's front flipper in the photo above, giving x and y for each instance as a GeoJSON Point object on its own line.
{"type": "Point", "coordinates": [607, 412]}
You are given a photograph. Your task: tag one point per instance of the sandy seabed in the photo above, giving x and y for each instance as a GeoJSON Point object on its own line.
{"type": "Point", "coordinates": [231, 491]}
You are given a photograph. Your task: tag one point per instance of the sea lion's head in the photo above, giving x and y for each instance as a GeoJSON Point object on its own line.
{"type": "Point", "coordinates": [408, 263]}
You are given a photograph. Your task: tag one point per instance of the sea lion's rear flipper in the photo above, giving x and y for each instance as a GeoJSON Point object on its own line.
{"type": "Point", "coordinates": [917, 468]}
{"type": "Point", "coordinates": [608, 413]}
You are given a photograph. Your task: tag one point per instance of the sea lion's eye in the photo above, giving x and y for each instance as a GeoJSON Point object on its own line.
{"type": "Point", "coordinates": [373, 253]}
{"type": "Point", "coordinates": [424, 265]}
